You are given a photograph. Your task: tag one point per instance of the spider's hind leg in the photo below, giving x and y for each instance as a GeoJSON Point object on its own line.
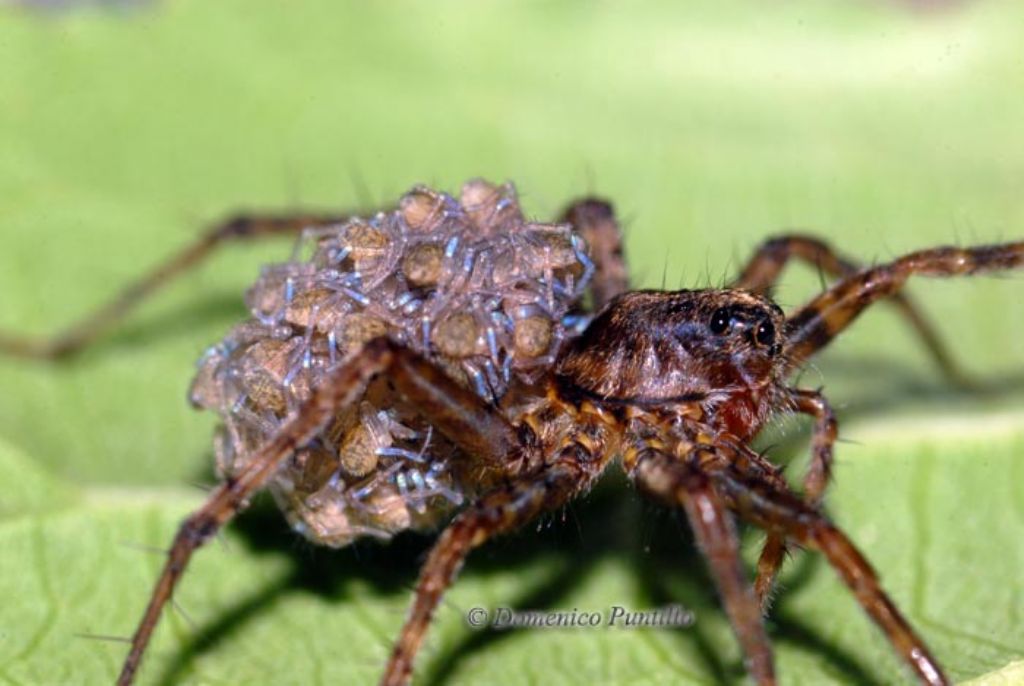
{"type": "Point", "coordinates": [95, 324]}
{"type": "Point", "coordinates": [481, 433]}
{"type": "Point", "coordinates": [763, 269]}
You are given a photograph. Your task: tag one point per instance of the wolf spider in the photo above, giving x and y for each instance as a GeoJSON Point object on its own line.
{"type": "Point", "coordinates": [529, 401]}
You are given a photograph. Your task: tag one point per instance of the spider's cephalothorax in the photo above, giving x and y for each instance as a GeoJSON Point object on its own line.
{"type": "Point", "coordinates": [719, 349]}
{"type": "Point", "coordinates": [442, 355]}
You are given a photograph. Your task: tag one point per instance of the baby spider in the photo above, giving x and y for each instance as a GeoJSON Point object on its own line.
{"type": "Point", "coordinates": [448, 363]}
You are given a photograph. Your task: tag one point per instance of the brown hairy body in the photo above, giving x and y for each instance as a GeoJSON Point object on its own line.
{"type": "Point", "coordinates": [449, 363]}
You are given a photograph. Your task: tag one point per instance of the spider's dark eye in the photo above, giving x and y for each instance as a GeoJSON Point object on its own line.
{"type": "Point", "coordinates": [765, 333]}
{"type": "Point", "coordinates": [720, 320]}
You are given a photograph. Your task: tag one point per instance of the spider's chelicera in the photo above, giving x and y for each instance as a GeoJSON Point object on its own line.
{"type": "Point", "coordinates": [448, 363]}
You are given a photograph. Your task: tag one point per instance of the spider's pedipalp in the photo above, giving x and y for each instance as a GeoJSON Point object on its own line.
{"type": "Point", "coordinates": [816, 480]}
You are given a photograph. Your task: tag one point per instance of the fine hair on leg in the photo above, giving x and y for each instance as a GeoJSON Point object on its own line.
{"type": "Point", "coordinates": [480, 431]}
{"type": "Point", "coordinates": [818, 322]}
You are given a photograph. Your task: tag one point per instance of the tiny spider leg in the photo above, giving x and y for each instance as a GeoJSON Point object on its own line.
{"type": "Point", "coordinates": [95, 324]}
{"type": "Point", "coordinates": [780, 512]}
{"type": "Point", "coordinates": [595, 220]}
{"type": "Point", "coordinates": [464, 418]}
{"type": "Point", "coordinates": [815, 325]}
{"type": "Point", "coordinates": [679, 483]}
{"type": "Point", "coordinates": [816, 480]}
{"type": "Point", "coordinates": [503, 510]}
{"type": "Point", "coordinates": [763, 270]}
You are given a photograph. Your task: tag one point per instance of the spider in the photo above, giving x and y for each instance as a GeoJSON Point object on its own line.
{"type": "Point", "coordinates": [446, 362]}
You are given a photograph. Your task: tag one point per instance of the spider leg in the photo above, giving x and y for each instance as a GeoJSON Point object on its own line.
{"type": "Point", "coordinates": [782, 513]}
{"type": "Point", "coordinates": [816, 480]}
{"type": "Point", "coordinates": [762, 271]}
{"type": "Point", "coordinates": [815, 325]}
{"type": "Point", "coordinates": [595, 220]}
{"type": "Point", "coordinates": [505, 509]}
{"type": "Point", "coordinates": [460, 415]}
{"type": "Point", "coordinates": [682, 483]}
{"type": "Point", "coordinates": [93, 325]}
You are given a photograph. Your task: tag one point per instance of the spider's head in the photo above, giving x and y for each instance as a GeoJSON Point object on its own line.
{"type": "Point", "coordinates": [648, 347]}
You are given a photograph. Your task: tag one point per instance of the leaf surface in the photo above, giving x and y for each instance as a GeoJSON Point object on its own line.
{"type": "Point", "coordinates": [710, 125]}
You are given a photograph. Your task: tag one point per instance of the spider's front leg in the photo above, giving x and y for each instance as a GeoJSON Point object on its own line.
{"type": "Point", "coordinates": [763, 269]}
{"type": "Point", "coordinates": [816, 480]}
{"type": "Point", "coordinates": [502, 510]}
{"type": "Point", "coordinates": [815, 325]}
{"type": "Point", "coordinates": [80, 334]}
{"type": "Point", "coordinates": [476, 428]}
{"type": "Point", "coordinates": [682, 483]}
{"type": "Point", "coordinates": [778, 511]}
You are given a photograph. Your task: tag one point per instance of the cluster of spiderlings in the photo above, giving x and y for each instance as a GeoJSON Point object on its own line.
{"type": "Point", "coordinates": [467, 282]}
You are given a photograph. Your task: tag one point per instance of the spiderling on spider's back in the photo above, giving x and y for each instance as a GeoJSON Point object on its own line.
{"type": "Point", "coordinates": [468, 282]}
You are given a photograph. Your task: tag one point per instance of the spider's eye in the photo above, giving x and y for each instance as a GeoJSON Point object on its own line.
{"type": "Point", "coordinates": [720, 320]}
{"type": "Point", "coordinates": [765, 334]}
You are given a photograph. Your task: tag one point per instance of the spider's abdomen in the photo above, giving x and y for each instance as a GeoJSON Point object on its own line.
{"type": "Point", "coordinates": [466, 282]}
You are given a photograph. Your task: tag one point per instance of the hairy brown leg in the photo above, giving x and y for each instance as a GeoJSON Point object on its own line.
{"type": "Point", "coordinates": [815, 325]}
{"type": "Point", "coordinates": [678, 483]}
{"type": "Point", "coordinates": [595, 220]}
{"type": "Point", "coordinates": [816, 480]}
{"type": "Point", "coordinates": [762, 272]}
{"type": "Point", "coordinates": [459, 414]}
{"type": "Point", "coordinates": [782, 513]}
{"type": "Point", "coordinates": [505, 509]}
{"type": "Point", "coordinates": [86, 330]}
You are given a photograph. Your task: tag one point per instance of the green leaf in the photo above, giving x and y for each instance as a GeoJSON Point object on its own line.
{"type": "Point", "coordinates": [711, 126]}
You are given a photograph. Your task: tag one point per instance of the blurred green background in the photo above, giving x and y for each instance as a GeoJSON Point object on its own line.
{"type": "Point", "coordinates": [881, 126]}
